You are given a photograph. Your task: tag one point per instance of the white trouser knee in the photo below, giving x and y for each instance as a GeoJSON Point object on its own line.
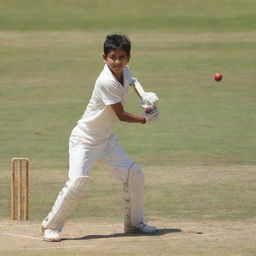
{"type": "Point", "coordinates": [133, 196]}
{"type": "Point", "coordinates": [66, 202]}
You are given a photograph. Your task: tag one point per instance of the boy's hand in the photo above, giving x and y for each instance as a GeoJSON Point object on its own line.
{"type": "Point", "coordinates": [147, 108]}
{"type": "Point", "coordinates": [151, 115]}
{"type": "Point", "coordinates": [149, 98]}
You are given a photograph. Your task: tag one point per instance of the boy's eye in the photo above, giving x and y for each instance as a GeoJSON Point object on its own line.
{"type": "Point", "coordinates": [122, 57]}
{"type": "Point", "coordinates": [112, 57]}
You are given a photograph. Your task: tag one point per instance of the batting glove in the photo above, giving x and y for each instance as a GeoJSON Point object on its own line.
{"type": "Point", "coordinates": [151, 115]}
{"type": "Point", "coordinates": [149, 98]}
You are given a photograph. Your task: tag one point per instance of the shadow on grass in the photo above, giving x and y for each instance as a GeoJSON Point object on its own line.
{"type": "Point", "coordinates": [160, 232]}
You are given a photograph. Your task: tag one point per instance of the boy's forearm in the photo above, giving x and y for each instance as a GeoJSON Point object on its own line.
{"type": "Point", "coordinates": [125, 116]}
{"type": "Point", "coordinates": [132, 118]}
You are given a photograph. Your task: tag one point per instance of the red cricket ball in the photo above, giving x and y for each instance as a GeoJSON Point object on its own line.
{"type": "Point", "coordinates": [217, 77]}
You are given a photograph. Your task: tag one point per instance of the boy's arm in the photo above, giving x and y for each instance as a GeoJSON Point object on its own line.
{"type": "Point", "coordinates": [131, 118]}
{"type": "Point", "coordinates": [127, 117]}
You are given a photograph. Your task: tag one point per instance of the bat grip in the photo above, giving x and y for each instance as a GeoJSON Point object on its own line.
{"type": "Point", "coordinates": [138, 87]}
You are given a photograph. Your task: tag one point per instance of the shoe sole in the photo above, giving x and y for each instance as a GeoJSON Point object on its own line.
{"type": "Point", "coordinates": [51, 240]}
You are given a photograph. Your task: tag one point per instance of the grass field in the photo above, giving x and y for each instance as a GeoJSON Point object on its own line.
{"type": "Point", "coordinates": [198, 158]}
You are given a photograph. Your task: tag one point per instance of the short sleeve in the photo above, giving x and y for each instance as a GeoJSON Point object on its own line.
{"type": "Point", "coordinates": [109, 93]}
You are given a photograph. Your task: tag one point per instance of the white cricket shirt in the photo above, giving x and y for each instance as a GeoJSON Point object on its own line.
{"type": "Point", "coordinates": [99, 119]}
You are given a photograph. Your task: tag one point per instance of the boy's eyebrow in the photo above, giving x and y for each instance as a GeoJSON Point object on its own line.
{"type": "Point", "coordinates": [121, 55]}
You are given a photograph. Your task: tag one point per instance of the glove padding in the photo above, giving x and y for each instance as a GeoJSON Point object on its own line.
{"type": "Point", "coordinates": [151, 115]}
{"type": "Point", "coordinates": [149, 98]}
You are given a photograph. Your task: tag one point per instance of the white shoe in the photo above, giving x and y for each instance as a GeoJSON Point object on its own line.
{"type": "Point", "coordinates": [142, 227]}
{"type": "Point", "coordinates": [50, 235]}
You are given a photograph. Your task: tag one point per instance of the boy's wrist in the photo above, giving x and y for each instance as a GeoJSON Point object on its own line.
{"type": "Point", "coordinates": [145, 120]}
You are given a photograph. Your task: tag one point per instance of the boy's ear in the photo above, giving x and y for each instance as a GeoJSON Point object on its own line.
{"type": "Point", "coordinates": [129, 57]}
{"type": "Point", "coordinates": [104, 57]}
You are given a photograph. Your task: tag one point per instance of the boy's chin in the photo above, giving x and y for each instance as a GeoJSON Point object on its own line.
{"type": "Point", "coordinates": [117, 71]}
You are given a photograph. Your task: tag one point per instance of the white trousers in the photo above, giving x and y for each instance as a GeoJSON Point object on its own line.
{"type": "Point", "coordinates": [109, 156]}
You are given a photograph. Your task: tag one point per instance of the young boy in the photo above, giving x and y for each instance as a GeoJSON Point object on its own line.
{"type": "Point", "coordinates": [92, 142]}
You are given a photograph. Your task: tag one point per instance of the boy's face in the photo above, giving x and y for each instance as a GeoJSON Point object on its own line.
{"type": "Point", "coordinates": [116, 61]}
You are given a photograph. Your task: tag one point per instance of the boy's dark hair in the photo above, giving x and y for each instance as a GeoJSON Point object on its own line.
{"type": "Point", "coordinates": [117, 41]}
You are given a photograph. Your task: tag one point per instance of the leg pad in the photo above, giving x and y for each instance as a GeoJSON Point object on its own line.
{"type": "Point", "coordinates": [133, 198]}
{"type": "Point", "coordinates": [66, 202]}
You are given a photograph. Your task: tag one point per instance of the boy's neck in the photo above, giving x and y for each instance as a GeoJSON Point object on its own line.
{"type": "Point", "coordinates": [119, 77]}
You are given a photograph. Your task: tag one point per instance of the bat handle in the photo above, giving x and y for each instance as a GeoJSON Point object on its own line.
{"type": "Point", "coordinates": [137, 86]}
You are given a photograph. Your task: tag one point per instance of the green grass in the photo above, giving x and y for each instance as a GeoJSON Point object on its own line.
{"type": "Point", "coordinates": [201, 193]}
{"type": "Point", "coordinates": [195, 15]}
{"type": "Point", "coordinates": [50, 57]}
{"type": "Point", "coordinates": [47, 79]}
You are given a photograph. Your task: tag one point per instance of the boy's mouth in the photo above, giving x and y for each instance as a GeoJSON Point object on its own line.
{"type": "Point", "coordinates": [117, 67]}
